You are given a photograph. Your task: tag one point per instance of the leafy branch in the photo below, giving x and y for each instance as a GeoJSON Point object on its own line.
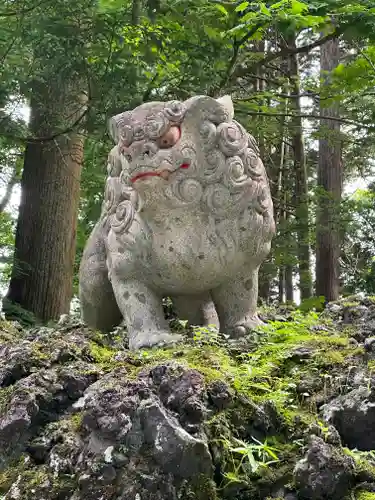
{"type": "Point", "coordinates": [53, 136]}
{"type": "Point", "coordinates": [311, 116]}
{"type": "Point", "coordinates": [21, 12]}
{"type": "Point", "coordinates": [287, 51]}
{"type": "Point", "coordinates": [236, 50]}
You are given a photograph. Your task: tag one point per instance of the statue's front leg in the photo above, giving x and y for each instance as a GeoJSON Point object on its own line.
{"type": "Point", "coordinates": [236, 304]}
{"type": "Point", "coordinates": [143, 313]}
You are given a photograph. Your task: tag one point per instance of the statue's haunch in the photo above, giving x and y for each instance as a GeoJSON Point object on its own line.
{"type": "Point", "coordinates": [187, 214]}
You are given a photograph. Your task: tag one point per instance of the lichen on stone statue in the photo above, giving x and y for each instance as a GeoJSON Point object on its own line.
{"type": "Point", "coordinates": [187, 214]}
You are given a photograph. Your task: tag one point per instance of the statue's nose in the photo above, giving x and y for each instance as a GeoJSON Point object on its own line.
{"type": "Point", "coordinates": [139, 150]}
{"type": "Point", "coordinates": [126, 152]}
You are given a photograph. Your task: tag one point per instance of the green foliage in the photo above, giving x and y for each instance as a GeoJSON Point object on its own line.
{"type": "Point", "coordinates": [364, 461]}
{"type": "Point", "coordinates": [358, 256]}
{"type": "Point", "coordinates": [247, 458]}
{"type": "Point", "coordinates": [312, 303]}
{"type": "Point", "coordinates": [17, 313]}
{"type": "Point", "coordinates": [365, 495]}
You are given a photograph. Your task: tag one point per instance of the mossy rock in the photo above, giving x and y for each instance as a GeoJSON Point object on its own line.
{"type": "Point", "coordinates": [201, 488]}
{"type": "Point", "coordinates": [266, 412]}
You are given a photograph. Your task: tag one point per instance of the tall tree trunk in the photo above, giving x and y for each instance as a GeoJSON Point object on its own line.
{"type": "Point", "coordinates": [289, 245]}
{"type": "Point", "coordinates": [136, 12]}
{"type": "Point", "coordinates": [266, 270]}
{"type": "Point", "coordinates": [281, 284]}
{"type": "Point", "coordinates": [330, 180]}
{"type": "Point", "coordinates": [289, 289]}
{"type": "Point", "coordinates": [46, 231]}
{"type": "Point", "coordinates": [277, 182]}
{"type": "Point", "coordinates": [301, 189]}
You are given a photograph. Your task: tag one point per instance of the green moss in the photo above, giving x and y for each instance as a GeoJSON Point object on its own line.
{"type": "Point", "coordinates": [200, 488]}
{"type": "Point", "coordinates": [330, 357]}
{"type": "Point", "coordinates": [268, 373]}
{"type": "Point", "coordinates": [40, 351]}
{"type": "Point", "coordinates": [104, 356]}
{"type": "Point", "coordinates": [76, 421]}
{"type": "Point", "coordinates": [271, 371]}
{"type": "Point", "coordinates": [9, 475]}
{"type": "Point", "coordinates": [8, 333]}
{"type": "Point", "coordinates": [41, 483]}
{"type": "Point", "coordinates": [364, 463]}
{"type": "Point", "coordinates": [212, 361]}
{"type": "Point", "coordinates": [5, 395]}
{"type": "Point", "coordinates": [100, 353]}
{"type": "Point", "coordinates": [35, 477]}
{"type": "Point", "coordinates": [349, 304]}
{"type": "Point", "coordinates": [364, 466]}
{"type": "Point", "coordinates": [364, 495]}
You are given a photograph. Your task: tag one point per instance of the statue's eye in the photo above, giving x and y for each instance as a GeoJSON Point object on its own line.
{"type": "Point", "coordinates": [170, 138]}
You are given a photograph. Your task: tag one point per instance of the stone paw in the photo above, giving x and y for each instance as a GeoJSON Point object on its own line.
{"type": "Point", "coordinates": [242, 329]}
{"type": "Point", "coordinates": [157, 339]}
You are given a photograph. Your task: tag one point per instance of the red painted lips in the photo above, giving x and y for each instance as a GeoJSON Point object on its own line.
{"type": "Point", "coordinates": [164, 174]}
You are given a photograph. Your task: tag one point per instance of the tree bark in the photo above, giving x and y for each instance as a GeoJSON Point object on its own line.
{"type": "Point", "coordinates": [136, 12]}
{"type": "Point", "coordinates": [289, 288]}
{"type": "Point", "coordinates": [276, 175]}
{"type": "Point", "coordinates": [42, 274]}
{"type": "Point", "coordinates": [300, 173]}
{"type": "Point", "coordinates": [330, 180]}
{"type": "Point", "coordinates": [266, 269]}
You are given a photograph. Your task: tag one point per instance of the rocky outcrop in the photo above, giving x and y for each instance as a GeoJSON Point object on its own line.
{"type": "Point", "coordinates": [83, 418]}
{"type": "Point", "coordinates": [324, 473]}
{"type": "Point", "coordinates": [353, 415]}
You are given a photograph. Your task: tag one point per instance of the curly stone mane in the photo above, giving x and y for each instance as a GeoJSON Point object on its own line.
{"type": "Point", "coordinates": [226, 177]}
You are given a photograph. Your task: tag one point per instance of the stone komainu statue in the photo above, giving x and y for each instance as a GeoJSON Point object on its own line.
{"type": "Point", "coordinates": [187, 214]}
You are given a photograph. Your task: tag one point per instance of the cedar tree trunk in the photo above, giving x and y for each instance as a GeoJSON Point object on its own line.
{"type": "Point", "coordinates": [46, 230]}
{"type": "Point", "coordinates": [330, 179]}
{"type": "Point", "coordinates": [301, 189]}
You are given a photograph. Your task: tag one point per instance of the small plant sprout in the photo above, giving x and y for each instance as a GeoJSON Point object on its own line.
{"type": "Point", "coordinates": [248, 458]}
{"type": "Point", "coordinates": [205, 334]}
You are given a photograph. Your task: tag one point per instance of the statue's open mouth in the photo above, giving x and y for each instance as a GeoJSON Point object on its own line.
{"type": "Point", "coordinates": [164, 174]}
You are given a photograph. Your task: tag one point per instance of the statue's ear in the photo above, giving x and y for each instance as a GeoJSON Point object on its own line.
{"type": "Point", "coordinates": [227, 103]}
{"type": "Point", "coordinates": [202, 107]}
{"type": "Point", "coordinates": [116, 123]}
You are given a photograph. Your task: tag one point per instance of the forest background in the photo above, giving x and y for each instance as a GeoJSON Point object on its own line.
{"type": "Point", "coordinates": [302, 78]}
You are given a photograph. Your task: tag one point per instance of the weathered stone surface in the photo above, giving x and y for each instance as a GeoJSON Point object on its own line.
{"type": "Point", "coordinates": [131, 439]}
{"type": "Point", "coordinates": [35, 400]}
{"type": "Point", "coordinates": [353, 415]}
{"type": "Point", "coordinates": [69, 431]}
{"type": "Point", "coordinates": [187, 214]}
{"type": "Point", "coordinates": [220, 394]}
{"type": "Point", "coordinates": [369, 344]}
{"type": "Point", "coordinates": [356, 310]}
{"type": "Point", "coordinates": [325, 473]}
